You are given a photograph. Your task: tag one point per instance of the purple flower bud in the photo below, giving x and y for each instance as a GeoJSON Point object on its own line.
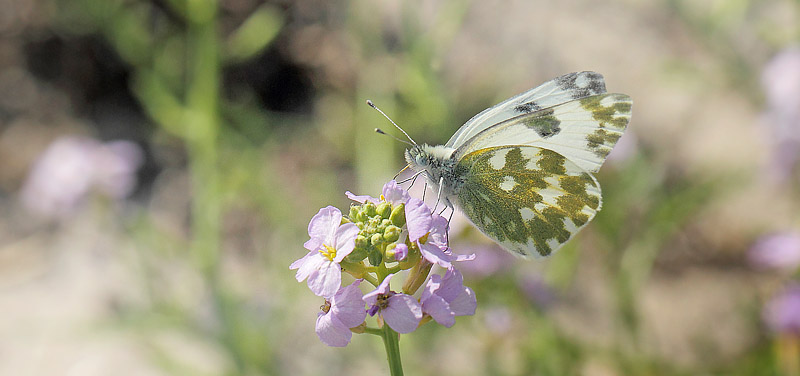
{"type": "Point", "coordinates": [400, 252]}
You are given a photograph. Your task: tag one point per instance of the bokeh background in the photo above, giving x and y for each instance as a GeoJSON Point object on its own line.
{"type": "Point", "coordinates": [160, 160]}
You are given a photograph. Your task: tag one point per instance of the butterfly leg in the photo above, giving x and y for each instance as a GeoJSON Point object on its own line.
{"type": "Point", "coordinates": [449, 218]}
{"type": "Point", "coordinates": [439, 193]}
{"type": "Point", "coordinates": [412, 178]}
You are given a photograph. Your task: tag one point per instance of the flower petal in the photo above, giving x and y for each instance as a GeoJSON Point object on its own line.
{"type": "Point", "coordinates": [439, 310]}
{"type": "Point", "coordinates": [459, 257]}
{"type": "Point", "coordinates": [418, 218]}
{"type": "Point", "coordinates": [464, 304]}
{"type": "Point", "coordinates": [324, 224]}
{"type": "Point", "coordinates": [433, 284]}
{"type": "Point", "coordinates": [452, 285]}
{"type": "Point", "coordinates": [347, 305]}
{"type": "Point", "coordinates": [313, 244]}
{"type": "Point", "coordinates": [371, 297]}
{"type": "Point", "coordinates": [307, 265]}
{"type": "Point", "coordinates": [435, 255]}
{"type": "Point", "coordinates": [362, 199]}
{"type": "Point", "coordinates": [332, 332]}
{"type": "Point", "coordinates": [438, 230]}
{"type": "Point", "coordinates": [327, 280]}
{"type": "Point", "coordinates": [345, 240]}
{"type": "Point", "coordinates": [403, 313]}
{"type": "Point", "coordinates": [395, 194]}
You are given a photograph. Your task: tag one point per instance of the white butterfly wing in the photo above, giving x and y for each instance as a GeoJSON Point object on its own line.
{"type": "Point", "coordinates": [584, 130]}
{"type": "Point", "coordinates": [556, 91]}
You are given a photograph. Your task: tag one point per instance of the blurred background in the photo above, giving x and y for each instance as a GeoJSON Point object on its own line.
{"type": "Point", "coordinates": [160, 161]}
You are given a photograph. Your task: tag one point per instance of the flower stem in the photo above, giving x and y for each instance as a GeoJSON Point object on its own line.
{"type": "Point", "coordinates": [391, 341]}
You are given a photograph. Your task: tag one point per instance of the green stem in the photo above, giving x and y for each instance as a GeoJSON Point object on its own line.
{"type": "Point", "coordinates": [201, 133]}
{"type": "Point", "coordinates": [391, 341]}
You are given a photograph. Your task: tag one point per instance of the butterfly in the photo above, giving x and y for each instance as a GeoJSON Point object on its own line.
{"type": "Point", "coordinates": [521, 171]}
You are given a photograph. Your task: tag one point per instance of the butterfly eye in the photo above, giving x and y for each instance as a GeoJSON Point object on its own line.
{"type": "Point", "coordinates": [421, 160]}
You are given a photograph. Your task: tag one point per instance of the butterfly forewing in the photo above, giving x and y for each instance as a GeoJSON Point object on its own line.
{"type": "Point", "coordinates": [584, 130]}
{"type": "Point", "coordinates": [556, 91]}
{"type": "Point", "coordinates": [528, 199]}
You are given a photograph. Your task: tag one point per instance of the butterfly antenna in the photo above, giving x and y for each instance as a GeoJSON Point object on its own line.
{"type": "Point", "coordinates": [369, 102]}
{"type": "Point", "coordinates": [380, 131]}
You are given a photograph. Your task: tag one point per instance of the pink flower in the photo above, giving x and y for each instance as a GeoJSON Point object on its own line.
{"type": "Point", "coordinates": [779, 251]}
{"type": "Point", "coordinates": [73, 167]}
{"type": "Point", "coordinates": [400, 311]}
{"type": "Point", "coordinates": [446, 297]}
{"type": "Point", "coordinates": [782, 313]}
{"type": "Point", "coordinates": [329, 244]}
{"type": "Point", "coordinates": [343, 311]}
{"type": "Point", "coordinates": [781, 82]}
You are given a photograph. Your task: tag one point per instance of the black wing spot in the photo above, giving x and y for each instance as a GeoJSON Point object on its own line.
{"type": "Point", "coordinates": [593, 84]}
{"type": "Point", "coordinates": [527, 108]}
{"type": "Point", "coordinates": [545, 124]}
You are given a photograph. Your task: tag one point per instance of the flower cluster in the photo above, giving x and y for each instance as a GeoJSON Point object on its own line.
{"type": "Point", "coordinates": [375, 242]}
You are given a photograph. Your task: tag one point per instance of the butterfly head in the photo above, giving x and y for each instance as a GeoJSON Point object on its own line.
{"type": "Point", "coordinates": [427, 157]}
{"type": "Point", "coordinates": [435, 162]}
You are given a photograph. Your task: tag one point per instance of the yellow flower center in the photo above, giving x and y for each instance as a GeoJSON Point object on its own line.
{"type": "Point", "coordinates": [328, 252]}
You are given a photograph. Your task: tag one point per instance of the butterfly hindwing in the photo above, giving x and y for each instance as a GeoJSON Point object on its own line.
{"type": "Point", "coordinates": [583, 130]}
{"type": "Point", "coordinates": [528, 199]}
{"type": "Point", "coordinates": [556, 91]}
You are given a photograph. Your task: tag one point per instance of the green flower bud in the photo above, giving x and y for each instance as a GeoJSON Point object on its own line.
{"type": "Point", "coordinates": [384, 209]}
{"type": "Point", "coordinates": [375, 258]}
{"type": "Point", "coordinates": [390, 251]}
{"type": "Point", "coordinates": [398, 216]}
{"type": "Point", "coordinates": [354, 212]}
{"type": "Point", "coordinates": [392, 233]}
{"type": "Point", "coordinates": [361, 241]}
{"type": "Point", "coordinates": [369, 209]}
{"type": "Point", "coordinates": [376, 239]}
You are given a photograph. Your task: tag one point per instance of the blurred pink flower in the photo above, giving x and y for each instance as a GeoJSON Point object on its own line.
{"type": "Point", "coordinates": [489, 260]}
{"type": "Point", "coordinates": [72, 167]}
{"type": "Point", "coordinates": [779, 251]}
{"type": "Point", "coordinates": [781, 82]}
{"type": "Point", "coordinates": [538, 292]}
{"type": "Point", "coordinates": [782, 313]}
